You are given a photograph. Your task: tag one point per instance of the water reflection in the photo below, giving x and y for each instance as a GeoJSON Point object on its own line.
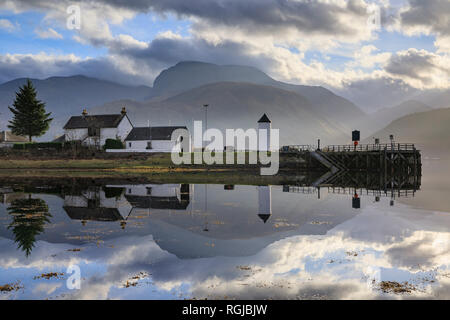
{"type": "Point", "coordinates": [29, 217]}
{"type": "Point", "coordinates": [210, 241]}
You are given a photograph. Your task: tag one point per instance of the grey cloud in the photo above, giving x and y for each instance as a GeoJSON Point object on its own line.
{"type": "Point", "coordinates": [415, 64]}
{"type": "Point", "coordinates": [253, 15]}
{"type": "Point", "coordinates": [434, 14]}
{"type": "Point", "coordinates": [38, 67]}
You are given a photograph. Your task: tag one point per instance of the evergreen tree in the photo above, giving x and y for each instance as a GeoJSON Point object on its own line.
{"type": "Point", "coordinates": [30, 118]}
{"type": "Point", "coordinates": [29, 218]}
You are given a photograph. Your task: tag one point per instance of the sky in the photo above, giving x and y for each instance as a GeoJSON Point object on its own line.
{"type": "Point", "coordinates": [357, 48]}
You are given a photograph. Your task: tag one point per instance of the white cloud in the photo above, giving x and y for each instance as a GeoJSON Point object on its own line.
{"type": "Point", "coordinates": [7, 25]}
{"type": "Point", "coordinates": [48, 34]}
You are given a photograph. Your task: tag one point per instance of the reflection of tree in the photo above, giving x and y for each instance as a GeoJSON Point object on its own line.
{"type": "Point", "coordinates": [29, 218]}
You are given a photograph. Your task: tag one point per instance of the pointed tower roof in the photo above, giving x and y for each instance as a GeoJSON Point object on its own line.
{"type": "Point", "coordinates": [264, 217]}
{"type": "Point", "coordinates": [264, 118]}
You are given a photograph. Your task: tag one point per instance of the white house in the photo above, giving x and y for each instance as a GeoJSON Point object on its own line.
{"type": "Point", "coordinates": [7, 139]}
{"type": "Point", "coordinates": [93, 130]}
{"type": "Point", "coordinates": [156, 139]}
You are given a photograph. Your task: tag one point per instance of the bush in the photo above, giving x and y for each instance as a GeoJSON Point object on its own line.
{"type": "Point", "coordinates": [19, 146]}
{"type": "Point", "coordinates": [113, 144]}
{"type": "Point", "coordinates": [38, 145]}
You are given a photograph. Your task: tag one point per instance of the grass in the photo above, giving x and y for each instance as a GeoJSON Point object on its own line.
{"type": "Point", "coordinates": [152, 161]}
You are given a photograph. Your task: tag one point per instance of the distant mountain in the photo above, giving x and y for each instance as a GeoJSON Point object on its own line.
{"type": "Point", "coordinates": [191, 74]}
{"type": "Point", "coordinates": [383, 117]}
{"type": "Point", "coordinates": [237, 105]}
{"type": "Point", "coordinates": [180, 91]}
{"type": "Point", "coordinates": [435, 98]}
{"type": "Point", "coordinates": [429, 130]}
{"type": "Point", "coordinates": [65, 96]}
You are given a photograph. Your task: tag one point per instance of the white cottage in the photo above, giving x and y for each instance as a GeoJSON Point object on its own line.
{"type": "Point", "coordinates": [93, 130]}
{"type": "Point", "coordinates": [156, 139]}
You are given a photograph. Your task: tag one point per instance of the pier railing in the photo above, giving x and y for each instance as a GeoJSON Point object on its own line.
{"type": "Point", "coordinates": [371, 147]}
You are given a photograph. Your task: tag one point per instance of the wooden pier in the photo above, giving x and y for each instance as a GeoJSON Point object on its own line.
{"type": "Point", "coordinates": [389, 163]}
{"type": "Point", "coordinates": [388, 158]}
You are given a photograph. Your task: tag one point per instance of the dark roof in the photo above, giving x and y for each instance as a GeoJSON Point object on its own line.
{"type": "Point", "coordinates": [60, 139]}
{"type": "Point", "coordinates": [149, 202]}
{"type": "Point", "coordinates": [151, 133]}
{"type": "Point", "coordinates": [93, 214]}
{"type": "Point", "coordinates": [264, 217]}
{"type": "Point", "coordinates": [264, 118]}
{"type": "Point", "coordinates": [94, 121]}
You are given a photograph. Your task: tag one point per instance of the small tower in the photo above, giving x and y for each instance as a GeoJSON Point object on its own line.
{"type": "Point", "coordinates": [265, 202]}
{"type": "Point", "coordinates": [124, 111]}
{"type": "Point", "coordinates": [266, 124]}
{"type": "Point", "coordinates": [84, 113]}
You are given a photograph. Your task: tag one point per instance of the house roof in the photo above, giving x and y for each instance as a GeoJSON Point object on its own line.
{"type": "Point", "coordinates": [264, 118]}
{"type": "Point", "coordinates": [151, 133]}
{"type": "Point", "coordinates": [60, 139]}
{"type": "Point", "coordinates": [94, 121]}
{"type": "Point", "coordinates": [7, 136]}
{"type": "Point", "coordinates": [93, 214]}
{"type": "Point", "coordinates": [151, 202]}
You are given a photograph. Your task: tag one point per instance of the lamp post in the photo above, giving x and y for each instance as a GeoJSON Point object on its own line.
{"type": "Point", "coordinates": [206, 118]}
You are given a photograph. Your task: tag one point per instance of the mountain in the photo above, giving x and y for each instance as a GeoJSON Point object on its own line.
{"type": "Point", "coordinates": [435, 98]}
{"type": "Point", "coordinates": [428, 130]}
{"type": "Point", "coordinates": [318, 111]}
{"type": "Point", "coordinates": [383, 117]}
{"type": "Point", "coordinates": [191, 74]}
{"type": "Point", "coordinates": [236, 105]}
{"type": "Point", "coordinates": [66, 96]}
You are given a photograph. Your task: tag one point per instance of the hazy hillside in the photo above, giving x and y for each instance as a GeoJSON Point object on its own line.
{"type": "Point", "coordinates": [436, 99]}
{"type": "Point", "coordinates": [65, 96]}
{"type": "Point", "coordinates": [429, 130]}
{"type": "Point", "coordinates": [237, 105]}
{"type": "Point", "coordinates": [189, 74]}
{"type": "Point", "coordinates": [381, 118]}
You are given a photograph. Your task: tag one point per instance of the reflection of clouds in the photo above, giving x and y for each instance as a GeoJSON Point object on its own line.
{"type": "Point", "coordinates": [400, 245]}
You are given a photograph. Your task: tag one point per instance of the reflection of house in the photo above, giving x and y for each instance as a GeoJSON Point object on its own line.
{"type": "Point", "coordinates": [265, 202]}
{"type": "Point", "coordinates": [158, 196]}
{"type": "Point", "coordinates": [93, 130]}
{"type": "Point", "coordinates": [7, 139]}
{"type": "Point", "coordinates": [98, 205]}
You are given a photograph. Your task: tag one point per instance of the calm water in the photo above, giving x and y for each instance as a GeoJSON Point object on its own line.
{"type": "Point", "coordinates": [176, 241]}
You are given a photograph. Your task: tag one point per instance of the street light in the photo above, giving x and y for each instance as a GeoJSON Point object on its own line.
{"type": "Point", "coordinates": [206, 117]}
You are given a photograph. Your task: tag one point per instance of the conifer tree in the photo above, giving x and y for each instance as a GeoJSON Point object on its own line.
{"type": "Point", "coordinates": [29, 116]}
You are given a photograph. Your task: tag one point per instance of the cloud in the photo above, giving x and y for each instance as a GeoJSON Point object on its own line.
{"type": "Point", "coordinates": [48, 34]}
{"type": "Point", "coordinates": [7, 25]}
{"type": "Point", "coordinates": [44, 65]}
{"type": "Point", "coordinates": [428, 17]}
{"type": "Point", "coordinates": [420, 68]}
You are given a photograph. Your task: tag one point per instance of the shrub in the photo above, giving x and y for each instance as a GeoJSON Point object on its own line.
{"type": "Point", "coordinates": [38, 145]}
{"type": "Point", "coordinates": [113, 144]}
{"type": "Point", "coordinates": [19, 146]}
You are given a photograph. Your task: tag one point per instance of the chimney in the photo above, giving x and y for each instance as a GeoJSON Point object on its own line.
{"type": "Point", "coordinates": [84, 113]}
{"type": "Point", "coordinates": [124, 111]}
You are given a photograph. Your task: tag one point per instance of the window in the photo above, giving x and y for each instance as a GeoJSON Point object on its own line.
{"type": "Point", "coordinates": [129, 144]}
{"type": "Point", "coordinates": [149, 145]}
{"type": "Point", "coordinates": [93, 132]}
